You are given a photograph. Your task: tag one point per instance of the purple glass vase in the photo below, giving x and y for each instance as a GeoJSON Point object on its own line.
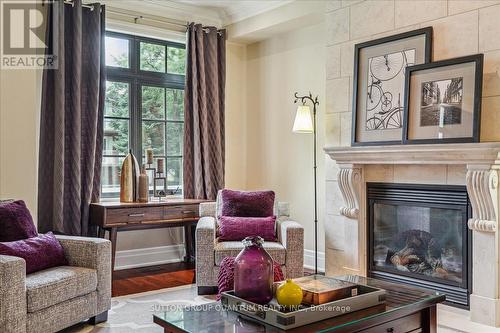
{"type": "Point", "coordinates": [253, 272]}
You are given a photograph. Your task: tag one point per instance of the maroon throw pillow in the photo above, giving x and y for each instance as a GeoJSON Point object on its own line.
{"type": "Point", "coordinates": [40, 252]}
{"type": "Point", "coordinates": [15, 221]}
{"type": "Point", "coordinates": [233, 228]}
{"type": "Point", "coordinates": [247, 204]}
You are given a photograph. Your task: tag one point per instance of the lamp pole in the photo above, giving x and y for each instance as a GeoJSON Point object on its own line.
{"type": "Point", "coordinates": [315, 103]}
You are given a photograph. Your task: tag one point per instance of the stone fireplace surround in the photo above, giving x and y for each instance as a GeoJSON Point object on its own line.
{"type": "Point", "coordinates": [476, 165]}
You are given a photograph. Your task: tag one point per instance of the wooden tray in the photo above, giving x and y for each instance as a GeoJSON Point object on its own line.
{"type": "Point", "coordinates": [319, 289]}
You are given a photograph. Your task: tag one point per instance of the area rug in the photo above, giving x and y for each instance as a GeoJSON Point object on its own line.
{"type": "Point", "coordinates": [134, 313]}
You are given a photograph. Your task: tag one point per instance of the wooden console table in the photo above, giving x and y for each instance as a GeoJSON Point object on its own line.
{"type": "Point", "coordinates": [118, 216]}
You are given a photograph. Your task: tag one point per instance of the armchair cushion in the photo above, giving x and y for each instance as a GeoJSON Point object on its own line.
{"type": "Point", "coordinates": [233, 248]}
{"type": "Point", "coordinates": [232, 228]}
{"type": "Point", "coordinates": [247, 204]}
{"type": "Point", "coordinates": [40, 252]}
{"type": "Point", "coordinates": [15, 221]}
{"type": "Point", "coordinates": [55, 285]}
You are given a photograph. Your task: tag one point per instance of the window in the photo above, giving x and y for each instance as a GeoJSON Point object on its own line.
{"type": "Point", "coordinates": [144, 106]}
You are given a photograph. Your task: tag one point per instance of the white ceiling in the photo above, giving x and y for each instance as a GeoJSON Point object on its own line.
{"type": "Point", "coordinates": [209, 12]}
{"type": "Point", "coordinates": [232, 11]}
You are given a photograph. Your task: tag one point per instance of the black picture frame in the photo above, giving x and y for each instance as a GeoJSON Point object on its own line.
{"type": "Point", "coordinates": [478, 60]}
{"type": "Point", "coordinates": [427, 32]}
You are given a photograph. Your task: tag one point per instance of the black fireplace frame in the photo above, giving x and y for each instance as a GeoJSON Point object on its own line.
{"type": "Point", "coordinates": [457, 294]}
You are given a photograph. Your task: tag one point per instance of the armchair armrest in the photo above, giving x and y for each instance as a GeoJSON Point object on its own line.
{"type": "Point", "coordinates": [291, 235]}
{"type": "Point", "coordinates": [205, 256]}
{"type": "Point", "coordinates": [207, 209]}
{"type": "Point", "coordinates": [12, 294]}
{"type": "Point", "coordinates": [92, 253]}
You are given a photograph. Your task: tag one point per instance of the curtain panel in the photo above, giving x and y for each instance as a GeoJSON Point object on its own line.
{"type": "Point", "coordinates": [204, 112]}
{"type": "Point", "coordinates": [71, 123]}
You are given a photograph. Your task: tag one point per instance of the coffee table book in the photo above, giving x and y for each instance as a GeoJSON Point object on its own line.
{"type": "Point", "coordinates": [319, 289]}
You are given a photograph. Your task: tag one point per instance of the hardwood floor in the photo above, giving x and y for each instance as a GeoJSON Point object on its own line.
{"type": "Point", "coordinates": [138, 280]}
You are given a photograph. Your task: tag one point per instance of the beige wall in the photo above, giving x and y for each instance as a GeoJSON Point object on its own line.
{"type": "Point", "coordinates": [19, 118]}
{"type": "Point", "coordinates": [20, 96]}
{"type": "Point", "coordinates": [460, 28]}
{"type": "Point", "coordinates": [277, 158]}
{"type": "Point", "coordinates": [236, 113]}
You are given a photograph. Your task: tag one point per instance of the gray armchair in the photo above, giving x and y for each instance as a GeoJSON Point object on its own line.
{"type": "Point", "coordinates": [288, 251]}
{"type": "Point", "coordinates": [55, 298]}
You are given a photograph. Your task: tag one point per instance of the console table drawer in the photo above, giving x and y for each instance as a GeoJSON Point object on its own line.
{"type": "Point", "coordinates": [408, 324]}
{"type": "Point", "coordinates": [181, 212]}
{"type": "Point", "coordinates": [127, 215]}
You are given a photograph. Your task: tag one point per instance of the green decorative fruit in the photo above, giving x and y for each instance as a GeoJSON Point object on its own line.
{"type": "Point", "coordinates": [289, 294]}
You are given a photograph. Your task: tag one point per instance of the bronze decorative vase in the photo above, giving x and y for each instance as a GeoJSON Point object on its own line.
{"type": "Point", "coordinates": [129, 179]}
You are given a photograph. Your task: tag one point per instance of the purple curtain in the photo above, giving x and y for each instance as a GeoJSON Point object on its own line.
{"type": "Point", "coordinates": [204, 112]}
{"type": "Point", "coordinates": [71, 123]}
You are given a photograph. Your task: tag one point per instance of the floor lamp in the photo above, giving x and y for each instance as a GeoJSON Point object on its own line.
{"type": "Point", "coordinates": [304, 124]}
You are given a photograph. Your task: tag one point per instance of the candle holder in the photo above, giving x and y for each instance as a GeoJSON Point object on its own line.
{"type": "Point", "coordinates": [151, 172]}
{"type": "Point", "coordinates": [160, 186]}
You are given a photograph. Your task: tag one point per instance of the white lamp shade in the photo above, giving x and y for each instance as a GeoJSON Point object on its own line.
{"type": "Point", "coordinates": [303, 121]}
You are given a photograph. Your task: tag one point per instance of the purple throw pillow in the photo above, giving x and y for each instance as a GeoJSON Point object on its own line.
{"type": "Point", "coordinates": [15, 221]}
{"type": "Point", "coordinates": [247, 204]}
{"type": "Point", "coordinates": [233, 228]}
{"type": "Point", "coordinates": [40, 252]}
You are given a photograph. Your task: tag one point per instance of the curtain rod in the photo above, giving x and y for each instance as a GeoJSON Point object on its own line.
{"type": "Point", "coordinates": [140, 17]}
{"type": "Point", "coordinates": [164, 21]}
{"type": "Point", "coordinates": [72, 4]}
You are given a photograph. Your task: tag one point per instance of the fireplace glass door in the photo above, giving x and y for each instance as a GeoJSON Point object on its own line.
{"type": "Point", "coordinates": [420, 240]}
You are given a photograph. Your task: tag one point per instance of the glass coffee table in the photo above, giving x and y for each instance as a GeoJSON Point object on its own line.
{"type": "Point", "coordinates": [407, 309]}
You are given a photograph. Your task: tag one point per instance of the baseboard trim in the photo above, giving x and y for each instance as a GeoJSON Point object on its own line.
{"type": "Point", "coordinates": [160, 255]}
{"type": "Point", "coordinates": [309, 260]}
{"type": "Point", "coordinates": [149, 256]}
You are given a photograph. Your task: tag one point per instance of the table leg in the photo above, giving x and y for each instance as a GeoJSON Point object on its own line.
{"type": "Point", "coordinates": [112, 238]}
{"type": "Point", "coordinates": [193, 245]}
{"type": "Point", "coordinates": [187, 242]}
{"type": "Point", "coordinates": [102, 232]}
{"type": "Point", "coordinates": [429, 319]}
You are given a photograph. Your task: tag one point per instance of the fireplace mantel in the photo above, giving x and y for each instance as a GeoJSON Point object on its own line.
{"type": "Point", "coordinates": [460, 153]}
{"type": "Point", "coordinates": [482, 163]}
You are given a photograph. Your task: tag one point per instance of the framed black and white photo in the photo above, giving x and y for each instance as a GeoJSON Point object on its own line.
{"type": "Point", "coordinates": [379, 82]}
{"type": "Point", "coordinates": [443, 101]}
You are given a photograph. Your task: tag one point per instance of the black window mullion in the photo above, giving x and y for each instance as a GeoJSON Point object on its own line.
{"type": "Point", "coordinates": [136, 108]}
{"type": "Point", "coordinates": [166, 58]}
{"type": "Point", "coordinates": [118, 118]}
{"type": "Point", "coordinates": [165, 116]}
{"type": "Point", "coordinates": [137, 130]}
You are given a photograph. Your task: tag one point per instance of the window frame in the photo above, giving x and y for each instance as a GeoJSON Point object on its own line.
{"type": "Point", "coordinates": [136, 79]}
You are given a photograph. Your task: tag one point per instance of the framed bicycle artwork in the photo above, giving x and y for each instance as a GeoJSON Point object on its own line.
{"type": "Point", "coordinates": [379, 83]}
{"type": "Point", "coordinates": [443, 101]}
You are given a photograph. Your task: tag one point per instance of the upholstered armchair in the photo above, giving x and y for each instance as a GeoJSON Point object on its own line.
{"type": "Point", "coordinates": [288, 251]}
{"type": "Point", "coordinates": [55, 298]}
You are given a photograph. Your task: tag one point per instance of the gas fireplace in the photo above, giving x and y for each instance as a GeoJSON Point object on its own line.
{"type": "Point", "coordinates": [417, 234]}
